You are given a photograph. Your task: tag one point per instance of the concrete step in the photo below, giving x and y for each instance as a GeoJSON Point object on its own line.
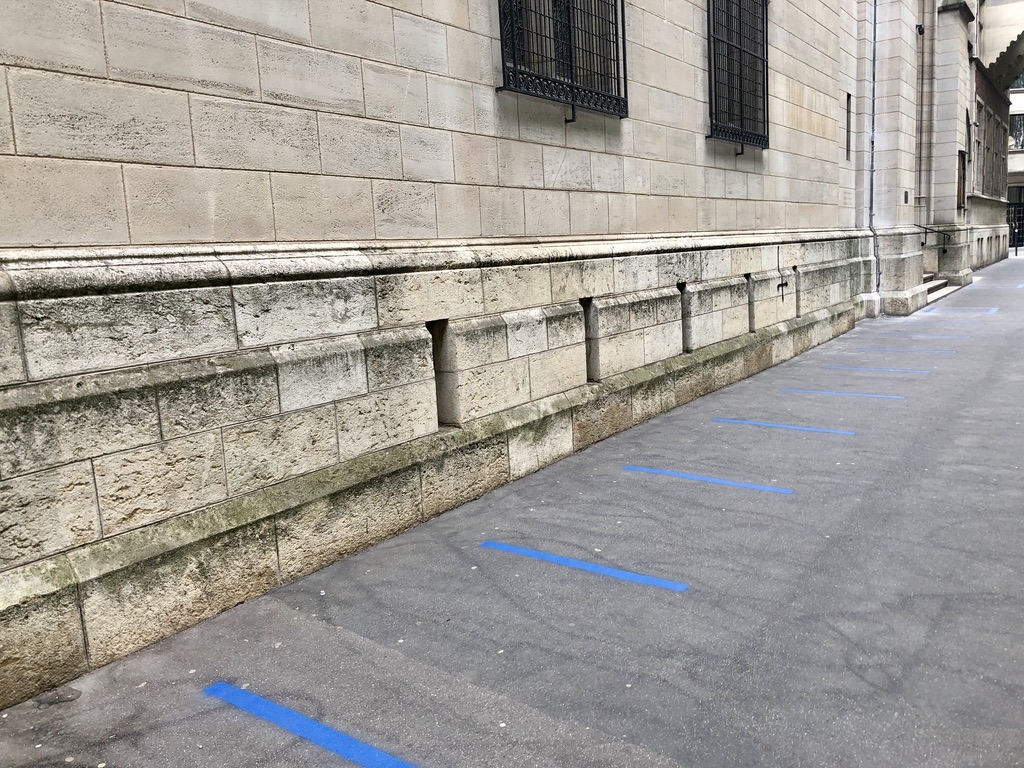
{"type": "Point", "coordinates": [929, 276]}
{"type": "Point", "coordinates": [942, 292]}
{"type": "Point", "coordinates": [936, 284]}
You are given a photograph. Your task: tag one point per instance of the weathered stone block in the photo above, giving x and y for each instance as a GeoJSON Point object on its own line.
{"type": "Point", "coordinates": [45, 34]}
{"type": "Point", "coordinates": [471, 343]}
{"type": "Point", "coordinates": [414, 297]}
{"type": "Point", "coordinates": [303, 441]}
{"type": "Point", "coordinates": [351, 146]}
{"type": "Point", "coordinates": [464, 475]}
{"type": "Point", "coordinates": [771, 303]}
{"type": "Point", "coordinates": [450, 105]}
{"type": "Point", "coordinates": [395, 94]}
{"type": "Point", "coordinates": [729, 369]}
{"type": "Point", "coordinates": [397, 356]}
{"type": "Point", "coordinates": [298, 76]}
{"type": "Point", "coordinates": [157, 49]}
{"type": "Point", "coordinates": [149, 484]}
{"type": "Point", "coordinates": [607, 316]}
{"type": "Point", "coordinates": [321, 207]}
{"type": "Point", "coordinates": [269, 313]}
{"type": "Point", "coordinates": [6, 126]}
{"type": "Point", "coordinates": [757, 358]}
{"type": "Point", "coordinates": [288, 19]}
{"type": "Point", "coordinates": [41, 640]}
{"type": "Point", "coordinates": [653, 398]}
{"type": "Point", "coordinates": [565, 324]}
{"type": "Point", "coordinates": [662, 342]}
{"type": "Point", "coordinates": [12, 365]}
{"type": "Point", "coordinates": [137, 605]}
{"type": "Point", "coordinates": [539, 443]}
{"type": "Point", "coordinates": [609, 355]}
{"type": "Point", "coordinates": [601, 418]}
{"type": "Point", "coordinates": [247, 135]}
{"type": "Point", "coordinates": [508, 288]}
{"type": "Point", "coordinates": [317, 534]}
{"type": "Point", "coordinates": [64, 116]}
{"type": "Point", "coordinates": [60, 202]}
{"type": "Point", "coordinates": [636, 273]}
{"type": "Point", "coordinates": [174, 205]}
{"type": "Point", "coordinates": [427, 154]}
{"type": "Point", "coordinates": [580, 279]}
{"type": "Point", "coordinates": [404, 209]}
{"type": "Point", "coordinates": [527, 331]}
{"type": "Point", "coordinates": [458, 209]}
{"type": "Point", "coordinates": [318, 372]}
{"type": "Point", "coordinates": [49, 424]}
{"type": "Point", "coordinates": [353, 26]}
{"type": "Point", "coordinates": [46, 512]}
{"type": "Point", "coordinates": [693, 382]}
{"type": "Point", "coordinates": [217, 391]}
{"type": "Point", "coordinates": [557, 370]}
{"type": "Point", "coordinates": [82, 333]}
{"type": "Point", "coordinates": [386, 418]}
{"type": "Point", "coordinates": [470, 394]}
{"type": "Point", "coordinates": [421, 43]}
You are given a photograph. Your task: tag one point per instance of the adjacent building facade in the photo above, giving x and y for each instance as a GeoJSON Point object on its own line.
{"type": "Point", "coordinates": [281, 279]}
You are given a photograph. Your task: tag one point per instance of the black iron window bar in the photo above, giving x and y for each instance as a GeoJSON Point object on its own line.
{"type": "Point", "coordinates": [570, 51]}
{"type": "Point", "coordinates": [738, 64]}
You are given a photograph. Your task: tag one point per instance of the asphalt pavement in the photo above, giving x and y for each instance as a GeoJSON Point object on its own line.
{"type": "Point", "coordinates": [818, 566]}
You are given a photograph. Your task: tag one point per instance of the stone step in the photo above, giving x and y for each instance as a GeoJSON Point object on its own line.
{"type": "Point", "coordinates": [942, 292]}
{"type": "Point", "coordinates": [929, 276]}
{"type": "Point", "coordinates": [935, 285]}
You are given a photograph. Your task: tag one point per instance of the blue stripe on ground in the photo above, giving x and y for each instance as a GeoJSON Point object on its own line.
{"type": "Point", "coordinates": [583, 565]}
{"type": "Point", "coordinates": [909, 351]}
{"type": "Point", "coordinates": [884, 370]}
{"type": "Point", "coordinates": [927, 335]}
{"type": "Point", "coordinates": [333, 741]}
{"type": "Point", "coordinates": [978, 310]}
{"type": "Point", "coordinates": [703, 479]}
{"type": "Point", "coordinates": [842, 394]}
{"type": "Point", "coordinates": [785, 426]}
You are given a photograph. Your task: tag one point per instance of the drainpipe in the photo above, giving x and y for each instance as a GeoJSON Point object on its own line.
{"type": "Point", "coordinates": [871, 171]}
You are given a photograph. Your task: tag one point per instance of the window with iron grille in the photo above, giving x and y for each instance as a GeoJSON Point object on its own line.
{"type": "Point", "coordinates": [572, 51]}
{"type": "Point", "coordinates": [738, 70]}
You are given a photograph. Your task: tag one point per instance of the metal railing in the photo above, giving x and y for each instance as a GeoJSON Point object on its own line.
{"type": "Point", "coordinates": [738, 68]}
{"type": "Point", "coordinates": [570, 51]}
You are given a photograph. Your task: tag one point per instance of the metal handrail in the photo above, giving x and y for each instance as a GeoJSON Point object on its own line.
{"type": "Point", "coordinates": [936, 231]}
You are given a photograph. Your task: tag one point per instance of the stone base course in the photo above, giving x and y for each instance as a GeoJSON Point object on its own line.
{"type": "Point", "coordinates": [75, 611]}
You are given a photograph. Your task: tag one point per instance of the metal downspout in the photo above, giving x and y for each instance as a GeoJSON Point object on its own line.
{"type": "Point", "coordinates": [871, 172]}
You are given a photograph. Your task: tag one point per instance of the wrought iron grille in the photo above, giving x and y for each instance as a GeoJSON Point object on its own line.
{"type": "Point", "coordinates": [738, 68]}
{"type": "Point", "coordinates": [572, 51]}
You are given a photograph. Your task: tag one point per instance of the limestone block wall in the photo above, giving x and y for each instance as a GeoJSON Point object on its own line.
{"type": "Point", "coordinates": [205, 121]}
{"type": "Point", "coordinates": [715, 310]}
{"type": "Point", "coordinates": [491, 363]}
{"type": "Point", "coordinates": [181, 429]}
{"type": "Point", "coordinates": [630, 330]}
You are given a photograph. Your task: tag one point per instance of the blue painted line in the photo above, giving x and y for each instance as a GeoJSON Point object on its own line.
{"type": "Point", "coordinates": [977, 310]}
{"type": "Point", "coordinates": [927, 335]}
{"type": "Point", "coordinates": [305, 727]}
{"type": "Point", "coordinates": [844, 394]}
{"type": "Point", "coordinates": [786, 426]}
{"type": "Point", "coordinates": [583, 565]}
{"type": "Point", "coordinates": [714, 480]}
{"type": "Point", "coordinates": [910, 351]}
{"type": "Point", "coordinates": [885, 370]}
{"type": "Point", "coordinates": [1021, 285]}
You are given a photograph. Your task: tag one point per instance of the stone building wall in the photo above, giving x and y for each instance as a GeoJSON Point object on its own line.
{"type": "Point", "coordinates": [232, 121]}
{"type": "Point", "coordinates": [281, 279]}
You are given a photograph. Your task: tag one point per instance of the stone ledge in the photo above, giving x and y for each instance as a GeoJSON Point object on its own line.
{"type": "Point", "coordinates": [40, 273]}
{"type": "Point", "coordinates": [100, 582]}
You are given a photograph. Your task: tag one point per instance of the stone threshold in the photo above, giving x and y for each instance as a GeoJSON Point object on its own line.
{"type": "Point", "coordinates": [76, 611]}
